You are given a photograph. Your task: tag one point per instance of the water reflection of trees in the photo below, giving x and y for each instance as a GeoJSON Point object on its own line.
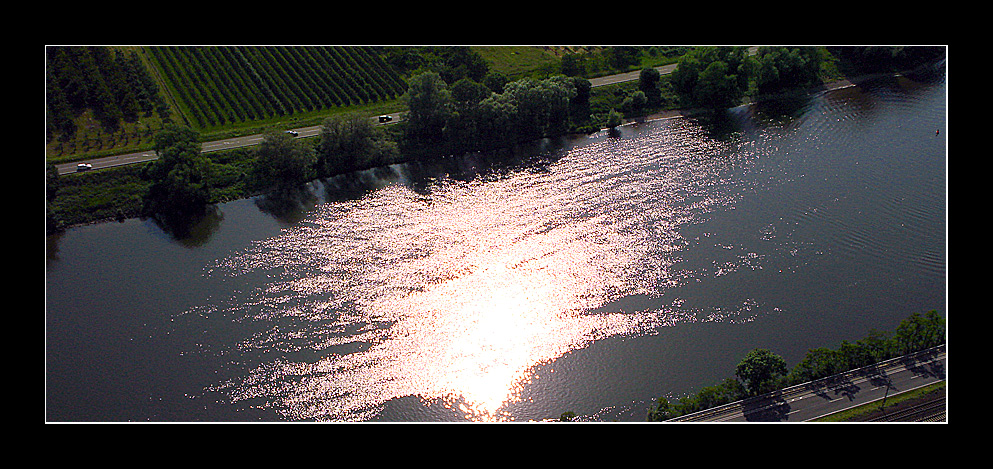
{"type": "Point", "coordinates": [291, 205]}
{"type": "Point", "coordinates": [420, 175]}
{"type": "Point", "coordinates": [288, 206]}
{"type": "Point", "coordinates": [784, 109]}
{"type": "Point", "coordinates": [191, 229]}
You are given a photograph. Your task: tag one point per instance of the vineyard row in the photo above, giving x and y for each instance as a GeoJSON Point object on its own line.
{"type": "Point", "coordinates": [219, 85]}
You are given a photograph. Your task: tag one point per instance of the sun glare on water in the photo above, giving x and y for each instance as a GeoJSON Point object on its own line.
{"type": "Point", "coordinates": [454, 297]}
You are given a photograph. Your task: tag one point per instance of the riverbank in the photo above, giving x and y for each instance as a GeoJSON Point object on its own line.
{"type": "Point", "coordinates": [116, 194]}
{"type": "Point", "coordinates": [98, 197]}
{"type": "Point", "coordinates": [690, 112]}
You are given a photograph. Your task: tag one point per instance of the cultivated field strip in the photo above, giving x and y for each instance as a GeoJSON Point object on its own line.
{"type": "Point", "coordinates": [219, 85]}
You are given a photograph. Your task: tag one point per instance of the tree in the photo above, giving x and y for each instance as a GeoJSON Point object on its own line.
{"type": "Point", "coordinates": [648, 83]}
{"type": "Point", "coordinates": [571, 65]}
{"type": "Point", "coordinates": [462, 62]}
{"type": "Point", "coordinates": [877, 344]}
{"type": "Point", "coordinates": [855, 355]}
{"type": "Point", "coordinates": [583, 88]}
{"type": "Point", "coordinates": [347, 142]}
{"type": "Point", "coordinates": [713, 77]}
{"type": "Point", "coordinates": [661, 411]}
{"type": "Point", "coordinates": [614, 118]}
{"type": "Point", "coordinates": [179, 189]}
{"type": "Point", "coordinates": [818, 363]}
{"type": "Point", "coordinates": [920, 332]}
{"type": "Point", "coordinates": [52, 181]}
{"type": "Point", "coordinates": [761, 371]}
{"type": "Point", "coordinates": [781, 68]}
{"type": "Point", "coordinates": [716, 88]}
{"type": "Point", "coordinates": [635, 103]}
{"type": "Point", "coordinates": [684, 77]}
{"type": "Point", "coordinates": [494, 81]}
{"type": "Point", "coordinates": [282, 162]}
{"type": "Point", "coordinates": [493, 117]}
{"type": "Point", "coordinates": [467, 94]}
{"type": "Point", "coordinates": [622, 57]}
{"type": "Point", "coordinates": [542, 106]}
{"type": "Point", "coordinates": [428, 100]}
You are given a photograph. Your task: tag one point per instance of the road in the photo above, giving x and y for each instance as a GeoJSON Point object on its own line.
{"type": "Point", "coordinates": [226, 144]}
{"type": "Point", "coordinates": [631, 76]}
{"type": "Point", "coordinates": [815, 399]}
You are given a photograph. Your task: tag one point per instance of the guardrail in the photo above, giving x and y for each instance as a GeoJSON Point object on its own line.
{"type": "Point", "coordinates": [774, 397]}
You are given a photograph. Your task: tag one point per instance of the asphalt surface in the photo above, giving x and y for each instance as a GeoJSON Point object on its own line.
{"type": "Point", "coordinates": [826, 396]}
{"type": "Point", "coordinates": [226, 144]}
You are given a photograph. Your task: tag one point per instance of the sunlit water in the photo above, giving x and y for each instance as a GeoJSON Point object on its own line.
{"type": "Point", "coordinates": [594, 278]}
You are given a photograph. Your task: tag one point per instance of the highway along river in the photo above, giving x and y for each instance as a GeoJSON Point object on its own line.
{"type": "Point", "coordinates": [589, 275]}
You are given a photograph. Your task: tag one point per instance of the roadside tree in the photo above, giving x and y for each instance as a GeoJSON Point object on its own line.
{"type": "Point", "coordinates": [761, 371]}
{"type": "Point", "coordinates": [920, 332]}
{"type": "Point", "coordinates": [282, 162]}
{"type": "Point", "coordinates": [648, 83]}
{"type": "Point", "coordinates": [180, 190]}
{"type": "Point", "coordinates": [429, 104]}
{"type": "Point", "coordinates": [713, 77]}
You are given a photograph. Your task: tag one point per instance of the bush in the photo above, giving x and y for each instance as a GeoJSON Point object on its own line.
{"type": "Point", "coordinates": [614, 118]}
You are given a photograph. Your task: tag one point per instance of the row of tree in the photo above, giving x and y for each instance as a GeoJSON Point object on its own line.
{"type": "Point", "coordinates": [441, 120]}
{"type": "Point", "coordinates": [719, 77]}
{"type": "Point", "coordinates": [762, 371]}
{"type": "Point", "coordinates": [469, 116]}
{"type": "Point", "coordinates": [465, 116]}
{"type": "Point", "coordinates": [115, 85]}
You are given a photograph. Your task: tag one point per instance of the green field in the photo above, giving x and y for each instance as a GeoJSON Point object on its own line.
{"type": "Point", "coordinates": [107, 100]}
{"type": "Point", "coordinates": [217, 86]}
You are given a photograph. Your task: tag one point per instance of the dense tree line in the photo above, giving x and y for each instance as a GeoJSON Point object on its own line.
{"type": "Point", "coordinates": [351, 142]}
{"type": "Point", "coordinates": [606, 60]}
{"type": "Point", "coordinates": [470, 116]}
{"type": "Point", "coordinates": [782, 68]}
{"type": "Point", "coordinates": [450, 63]}
{"type": "Point", "coordinates": [717, 78]}
{"type": "Point", "coordinates": [463, 108]}
{"type": "Point", "coordinates": [114, 84]}
{"type": "Point", "coordinates": [762, 371]}
{"type": "Point", "coordinates": [713, 77]}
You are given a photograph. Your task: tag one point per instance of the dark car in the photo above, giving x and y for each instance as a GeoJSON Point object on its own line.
{"type": "Point", "coordinates": [385, 118]}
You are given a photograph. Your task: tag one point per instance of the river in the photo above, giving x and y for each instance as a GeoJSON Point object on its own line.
{"type": "Point", "coordinates": [589, 274]}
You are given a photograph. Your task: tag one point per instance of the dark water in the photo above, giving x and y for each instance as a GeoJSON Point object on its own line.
{"type": "Point", "coordinates": [592, 277]}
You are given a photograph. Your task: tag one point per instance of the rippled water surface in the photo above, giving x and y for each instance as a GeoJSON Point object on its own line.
{"type": "Point", "coordinates": [593, 277]}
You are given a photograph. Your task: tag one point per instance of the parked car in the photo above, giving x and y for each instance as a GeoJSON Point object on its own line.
{"type": "Point", "coordinates": [385, 118]}
{"type": "Point", "coordinates": [293, 132]}
{"type": "Point", "coordinates": [84, 167]}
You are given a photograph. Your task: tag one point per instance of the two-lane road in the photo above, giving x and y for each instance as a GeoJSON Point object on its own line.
{"type": "Point", "coordinates": [216, 145]}
{"type": "Point", "coordinates": [226, 144]}
{"type": "Point", "coordinates": [815, 399]}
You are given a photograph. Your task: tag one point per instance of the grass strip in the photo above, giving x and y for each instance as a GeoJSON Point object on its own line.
{"type": "Point", "coordinates": [856, 413]}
